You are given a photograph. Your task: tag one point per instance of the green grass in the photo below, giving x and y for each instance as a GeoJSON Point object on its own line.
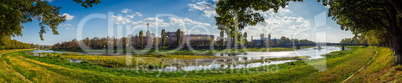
{"type": "Point", "coordinates": [381, 69]}
{"type": "Point", "coordinates": [340, 68]}
{"type": "Point", "coordinates": [126, 61]}
{"type": "Point", "coordinates": [340, 65]}
{"type": "Point", "coordinates": [7, 72]}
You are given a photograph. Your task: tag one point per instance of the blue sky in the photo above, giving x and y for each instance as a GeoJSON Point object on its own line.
{"type": "Point", "coordinates": [301, 20]}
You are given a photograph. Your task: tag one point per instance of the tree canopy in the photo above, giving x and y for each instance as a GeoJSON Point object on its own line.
{"type": "Point", "coordinates": [235, 15]}
{"type": "Point", "coordinates": [379, 20]}
{"type": "Point", "coordinates": [15, 12]}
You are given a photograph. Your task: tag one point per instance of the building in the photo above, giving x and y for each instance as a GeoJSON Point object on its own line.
{"type": "Point", "coordinates": [199, 39]}
{"type": "Point", "coordinates": [173, 34]}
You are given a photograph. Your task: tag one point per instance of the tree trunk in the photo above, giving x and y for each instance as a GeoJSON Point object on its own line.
{"type": "Point", "coordinates": [396, 36]}
{"type": "Point", "coordinates": [396, 6]}
{"type": "Point", "coordinates": [396, 44]}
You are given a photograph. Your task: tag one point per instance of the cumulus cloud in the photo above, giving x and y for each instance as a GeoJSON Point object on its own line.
{"type": "Point", "coordinates": [48, 0]}
{"type": "Point", "coordinates": [281, 24]}
{"type": "Point", "coordinates": [68, 16]}
{"type": "Point", "coordinates": [120, 19]}
{"type": "Point", "coordinates": [130, 16]}
{"type": "Point", "coordinates": [133, 15]}
{"type": "Point", "coordinates": [138, 14]}
{"type": "Point", "coordinates": [69, 28]}
{"type": "Point", "coordinates": [186, 22]}
{"type": "Point", "coordinates": [153, 22]}
{"type": "Point", "coordinates": [65, 25]}
{"type": "Point", "coordinates": [207, 8]}
{"type": "Point", "coordinates": [126, 10]}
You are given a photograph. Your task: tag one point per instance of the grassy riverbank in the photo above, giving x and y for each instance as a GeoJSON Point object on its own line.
{"type": "Point", "coordinates": [339, 66]}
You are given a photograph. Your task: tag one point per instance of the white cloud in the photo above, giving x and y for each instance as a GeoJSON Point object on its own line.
{"type": "Point", "coordinates": [68, 16]}
{"type": "Point", "coordinates": [121, 20]}
{"type": "Point", "coordinates": [69, 28]}
{"type": "Point", "coordinates": [152, 22]}
{"type": "Point", "coordinates": [187, 22]}
{"type": "Point", "coordinates": [138, 14]}
{"type": "Point", "coordinates": [328, 6]}
{"type": "Point", "coordinates": [207, 8]}
{"type": "Point", "coordinates": [126, 10]}
{"type": "Point", "coordinates": [131, 16]}
{"type": "Point", "coordinates": [281, 24]}
{"type": "Point", "coordinates": [65, 25]}
{"type": "Point", "coordinates": [48, 0]}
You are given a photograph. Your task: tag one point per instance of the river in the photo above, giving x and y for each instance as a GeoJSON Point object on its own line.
{"type": "Point", "coordinates": [313, 52]}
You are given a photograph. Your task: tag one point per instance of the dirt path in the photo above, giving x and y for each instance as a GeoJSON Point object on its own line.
{"type": "Point", "coordinates": [358, 71]}
{"type": "Point", "coordinates": [18, 73]}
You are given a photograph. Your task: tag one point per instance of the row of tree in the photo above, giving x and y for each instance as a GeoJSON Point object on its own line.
{"type": "Point", "coordinates": [283, 41]}
{"type": "Point", "coordinates": [137, 41]}
{"type": "Point", "coordinates": [8, 43]}
{"type": "Point", "coordinates": [354, 40]}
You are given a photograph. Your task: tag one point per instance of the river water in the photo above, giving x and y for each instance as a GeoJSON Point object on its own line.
{"type": "Point", "coordinates": [313, 52]}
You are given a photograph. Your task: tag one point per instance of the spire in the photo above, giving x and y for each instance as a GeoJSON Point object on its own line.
{"type": "Point", "coordinates": [148, 26]}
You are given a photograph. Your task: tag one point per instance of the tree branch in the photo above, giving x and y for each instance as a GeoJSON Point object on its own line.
{"type": "Point", "coordinates": [396, 7]}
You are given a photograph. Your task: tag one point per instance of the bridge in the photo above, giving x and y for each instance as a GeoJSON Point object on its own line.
{"type": "Point", "coordinates": [321, 44]}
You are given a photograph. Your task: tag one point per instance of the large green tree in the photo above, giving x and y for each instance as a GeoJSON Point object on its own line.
{"type": "Point", "coordinates": [235, 15]}
{"type": "Point", "coordinates": [364, 17]}
{"type": "Point", "coordinates": [141, 38]}
{"type": "Point", "coordinates": [15, 12]}
{"type": "Point", "coordinates": [163, 34]}
{"type": "Point", "coordinates": [178, 35]}
{"type": "Point", "coordinates": [379, 20]}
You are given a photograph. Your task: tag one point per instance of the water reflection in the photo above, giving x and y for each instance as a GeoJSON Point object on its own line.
{"type": "Point", "coordinates": [313, 53]}
{"type": "Point", "coordinates": [75, 61]}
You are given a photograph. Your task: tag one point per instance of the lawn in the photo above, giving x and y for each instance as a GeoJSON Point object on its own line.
{"type": "Point", "coordinates": [338, 65]}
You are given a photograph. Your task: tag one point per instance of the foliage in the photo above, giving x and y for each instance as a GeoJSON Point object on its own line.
{"type": "Point", "coordinates": [354, 40]}
{"type": "Point", "coordinates": [372, 19]}
{"type": "Point", "coordinates": [64, 71]}
{"type": "Point", "coordinates": [234, 15]}
{"type": "Point", "coordinates": [16, 12]}
{"type": "Point", "coordinates": [283, 41]}
{"type": "Point", "coordinates": [178, 35]}
{"type": "Point", "coordinates": [142, 38]}
{"type": "Point", "coordinates": [163, 34]}
{"type": "Point", "coordinates": [7, 43]}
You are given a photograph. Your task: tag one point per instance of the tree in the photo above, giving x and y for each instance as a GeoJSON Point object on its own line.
{"type": "Point", "coordinates": [245, 37]}
{"type": "Point", "coordinates": [163, 33]}
{"type": "Point", "coordinates": [283, 41]}
{"type": "Point", "coordinates": [222, 34]}
{"type": "Point", "coordinates": [262, 39]}
{"type": "Point", "coordinates": [275, 42]}
{"type": "Point", "coordinates": [252, 42]}
{"type": "Point", "coordinates": [7, 43]}
{"type": "Point", "coordinates": [234, 15]}
{"type": "Point", "coordinates": [370, 17]}
{"type": "Point", "coordinates": [15, 12]}
{"type": "Point", "coordinates": [141, 38]}
{"type": "Point", "coordinates": [269, 40]}
{"type": "Point", "coordinates": [178, 35]}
